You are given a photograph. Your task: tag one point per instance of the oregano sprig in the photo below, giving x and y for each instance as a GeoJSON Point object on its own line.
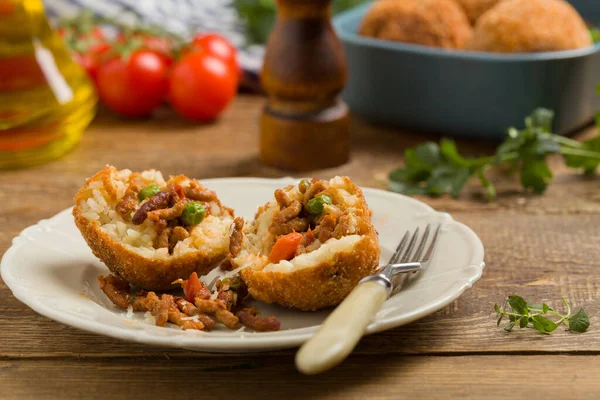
{"type": "Point", "coordinates": [435, 169]}
{"type": "Point", "coordinates": [540, 317]}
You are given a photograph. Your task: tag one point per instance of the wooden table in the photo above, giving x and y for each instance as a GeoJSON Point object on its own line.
{"type": "Point", "coordinates": [539, 247]}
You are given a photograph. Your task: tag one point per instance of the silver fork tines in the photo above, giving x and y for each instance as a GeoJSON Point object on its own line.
{"type": "Point", "coordinates": [404, 260]}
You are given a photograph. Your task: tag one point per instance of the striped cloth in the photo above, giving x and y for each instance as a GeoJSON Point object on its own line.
{"type": "Point", "coordinates": [182, 17]}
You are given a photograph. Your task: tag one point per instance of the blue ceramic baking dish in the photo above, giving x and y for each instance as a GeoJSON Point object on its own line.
{"type": "Point", "coordinates": [467, 93]}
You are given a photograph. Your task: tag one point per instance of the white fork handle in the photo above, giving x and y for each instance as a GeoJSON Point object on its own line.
{"type": "Point", "coordinates": [342, 330]}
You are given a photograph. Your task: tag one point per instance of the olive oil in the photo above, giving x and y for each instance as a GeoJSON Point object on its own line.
{"type": "Point", "coordinates": [46, 99]}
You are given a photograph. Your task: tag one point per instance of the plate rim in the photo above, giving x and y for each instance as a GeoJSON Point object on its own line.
{"type": "Point", "coordinates": [251, 341]}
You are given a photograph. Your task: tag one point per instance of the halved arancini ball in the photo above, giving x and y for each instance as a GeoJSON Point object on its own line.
{"type": "Point", "coordinates": [309, 246]}
{"type": "Point", "coordinates": [152, 231]}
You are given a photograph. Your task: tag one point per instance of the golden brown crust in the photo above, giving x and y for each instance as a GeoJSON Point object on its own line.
{"type": "Point", "coordinates": [436, 23]}
{"type": "Point", "coordinates": [522, 26]}
{"type": "Point", "coordinates": [147, 273]}
{"type": "Point", "coordinates": [323, 285]}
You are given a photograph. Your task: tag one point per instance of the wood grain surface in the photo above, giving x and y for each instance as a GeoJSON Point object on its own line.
{"type": "Point", "coordinates": [541, 247]}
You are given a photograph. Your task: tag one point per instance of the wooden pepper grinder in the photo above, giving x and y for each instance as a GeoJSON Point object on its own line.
{"type": "Point", "coordinates": [304, 125]}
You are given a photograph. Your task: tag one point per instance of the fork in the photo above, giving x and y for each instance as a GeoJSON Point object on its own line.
{"type": "Point", "coordinates": [342, 330]}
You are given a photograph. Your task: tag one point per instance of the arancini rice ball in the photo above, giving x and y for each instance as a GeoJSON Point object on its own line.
{"type": "Point", "coordinates": [151, 231]}
{"type": "Point", "coordinates": [436, 23]}
{"type": "Point", "coordinates": [308, 247]}
{"type": "Point", "coordinates": [523, 26]}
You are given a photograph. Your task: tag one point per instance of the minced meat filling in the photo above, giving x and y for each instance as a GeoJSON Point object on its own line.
{"type": "Point", "coordinates": [316, 222]}
{"type": "Point", "coordinates": [199, 314]}
{"type": "Point", "coordinates": [173, 210]}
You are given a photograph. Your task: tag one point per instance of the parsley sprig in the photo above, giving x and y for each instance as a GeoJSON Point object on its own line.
{"type": "Point", "coordinates": [435, 169]}
{"type": "Point", "coordinates": [536, 316]}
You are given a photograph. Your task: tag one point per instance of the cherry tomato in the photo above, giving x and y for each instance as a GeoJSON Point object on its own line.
{"type": "Point", "coordinates": [133, 87]}
{"type": "Point", "coordinates": [219, 47]}
{"type": "Point", "coordinates": [201, 86]}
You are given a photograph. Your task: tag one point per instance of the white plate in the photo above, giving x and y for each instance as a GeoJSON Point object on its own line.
{"type": "Point", "coordinates": [50, 268]}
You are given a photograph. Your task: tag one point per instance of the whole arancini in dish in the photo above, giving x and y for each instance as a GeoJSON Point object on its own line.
{"type": "Point", "coordinates": [523, 26]}
{"type": "Point", "coordinates": [436, 23]}
{"type": "Point", "coordinates": [151, 231]}
{"type": "Point", "coordinates": [308, 247]}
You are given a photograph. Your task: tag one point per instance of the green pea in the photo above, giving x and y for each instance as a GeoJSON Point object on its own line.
{"type": "Point", "coordinates": [148, 191]}
{"type": "Point", "coordinates": [316, 204]}
{"type": "Point", "coordinates": [193, 213]}
{"type": "Point", "coordinates": [303, 185]}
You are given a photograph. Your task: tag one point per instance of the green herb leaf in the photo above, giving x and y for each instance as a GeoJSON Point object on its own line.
{"type": "Point", "coordinates": [583, 159]}
{"type": "Point", "coordinates": [535, 175]}
{"type": "Point", "coordinates": [543, 325]}
{"type": "Point", "coordinates": [496, 308]}
{"type": "Point", "coordinates": [500, 319]}
{"type": "Point", "coordinates": [580, 321]}
{"type": "Point", "coordinates": [523, 322]}
{"type": "Point", "coordinates": [518, 304]}
{"type": "Point", "coordinates": [509, 327]}
{"type": "Point", "coordinates": [541, 118]}
{"type": "Point", "coordinates": [546, 308]}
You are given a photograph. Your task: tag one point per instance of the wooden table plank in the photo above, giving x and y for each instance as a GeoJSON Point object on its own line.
{"type": "Point", "coordinates": [541, 247]}
{"type": "Point", "coordinates": [389, 377]}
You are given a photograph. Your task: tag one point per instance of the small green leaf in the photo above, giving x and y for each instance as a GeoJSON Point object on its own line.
{"type": "Point", "coordinates": [543, 325]}
{"type": "Point", "coordinates": [499, 320]}
{"type": "Point", "coordinates": [523, 322]}
{"type": "Point", "coordinates": [460, 178]}
{"type": "Point", "coordinates": [545, 308]}
{"type": "Point", "coordinates": [518, 304]}
{"type": "Point", "coordinates": [428, 152]}
{"type": "Point", "coordinates": [451, 154]}
{"type": "Point", "coordinates": [512, 318]}
{"type": "Point", "coordinates": [509, 327]}
{"type": "Point", "coordinates": [590, 146]}
{"type": "Point", "coordinates": [535, 175]}
{"type": "Point", "coordinates": [541, 118]}
{"type": "Point", "coordinates": [580, 321]}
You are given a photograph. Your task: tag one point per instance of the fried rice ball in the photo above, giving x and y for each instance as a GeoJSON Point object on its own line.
{"type": "Point", "coordinates": [338, 248]}
{"type": "Point", "coordinates": [476, 8]}
{"type": "Point", "coordinates": [522, 26]}
{"type": "Point", "coordinates": [137, 224]}
{"type": "Point", "coordinates": [436, 23]}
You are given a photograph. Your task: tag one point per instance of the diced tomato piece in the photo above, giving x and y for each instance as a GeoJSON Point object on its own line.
{"type": "Point", "coordinates": [191, 286]}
